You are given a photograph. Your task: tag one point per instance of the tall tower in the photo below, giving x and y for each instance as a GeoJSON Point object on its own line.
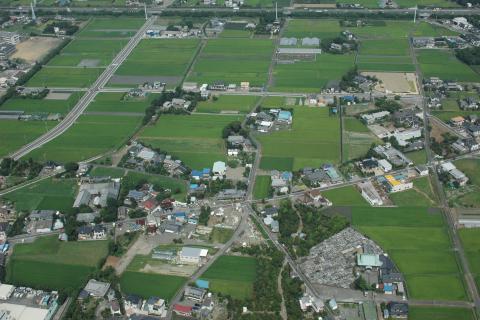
{"type": "Point", "coordinates": [34, 17]}
{"type": "Point", "coordinates": [145, 8]}
{"type": "Point", "coordinates": [276, 11]}
{"type": "Point", "coordinates": [415, 15]}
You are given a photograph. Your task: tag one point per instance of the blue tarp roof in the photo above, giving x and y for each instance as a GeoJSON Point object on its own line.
{"type": "Point", "coordinates": [284, 115]}
{"type": "Point", "coordinates": [196, 173]}
{"type": "Point", "coordinates": [204, 284]}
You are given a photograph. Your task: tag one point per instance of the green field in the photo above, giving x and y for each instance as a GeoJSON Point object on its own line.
{"type": "Point", "coordinates": [232, 275]}
{"type": "Point", "coordinates": [111, 28]}
{"type": "Point", "coordinates": [471, 243]}
{"type": "Point", "coordinates": [221, 235]}
{"type": "Point", "coordinates": [119, 102]}
{"type": "Point", "coordinates": [409, 197]}
{"type": "Point", "coordinates": [234, 61]}
{"type": "Point", "coordinates": [417, 240]}
{"type": "Point", "coordinates": [385, 47]}
{"type": "Point", "coordinates": [57, 194]}
{"type": "Point", "coordinates": [311, 76]}
{"type": "Point", "coordinates": [262, 187]}
{"type": "Point", "coordinates": [165, 59]}
{"type": "Point", "coordinates": [322, 29]}
{"type": "Point", "coordinates": [439, 313]}
{"type": "Point", "coordinates": [148, 285]}
{"type": "Point", "coordinates": [51, 264]}
{"type": "Point", "coordinates": [354, 125]}
{"type": "Point", "coordinates": [313, 140]}
{"type": "Point", "coordinates": [90, 136]}
{"type": "Point", "coordinates": [470, 168]}
{"type": "Point", "coordinates": [100, 51]}
{"type": "Point", "coordinates": [240, 104]}
{"type": "Point", "coordinates": [194, 139]}
{"type": "Point", "coordinates": [64, 77]}
{"type": "Point", "coordinates": [424, 29]}
{"type": "Point", "coordinates": [444, 64]}
{"type": "Point", "coordinates": [42, 105]}
{"type": "Point", "coordinates": [345, 196]}
{"type": "Point", "coordinates": [107, 172]}
{"type": "Point", "coordinates": [15, 134]}
{"type": "Point", "coordinates": [165, 182]}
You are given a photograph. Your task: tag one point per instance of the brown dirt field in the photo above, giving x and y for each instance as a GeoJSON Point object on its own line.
{"type": "Point", "coordinates": [35, 48]}
{"type": "Point", "coordinates": [437, 132]}
{"type": "Point", "coordinates": [395, 82]}
{"type": "Point", "coordinates": [111, 262]}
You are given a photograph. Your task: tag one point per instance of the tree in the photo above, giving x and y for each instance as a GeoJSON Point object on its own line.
{"type": "Point", "coordinates": [71, 166]}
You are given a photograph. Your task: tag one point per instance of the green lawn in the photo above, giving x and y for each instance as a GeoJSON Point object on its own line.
{"type": "Point", "coordinates": [410, 197]}
{"type": "Point", "coordinates": [148, 285]}
{"type": "Point", "coordinates": [111, 28]}
{"type": "Point", "coordinates": [56, 194]}
{"type": "Point", "coordinates": [354, 125]}
{"type": "Point", "coordinates": [194, 139]}
{"type": "Point", "coordinates": [345, 196]}
{"type": "Point", "coordinates": [234, 61]}
{"type": "Point", "coordinates": [313, 140]}
{"type": "Point", "coordinates": [166, 59]}
{"type": "Point", "coordinates": [232, 275]}
{"type": "Point", "coordinates": [240, 104]}
{"type": "Point", "coordinates": [439, 313]}
{"type": "Point", "coordinates": [16, 134]}
{"type": "Point", "coordinates": [470, 168]}
{"type": "Point", "coordinates": [42, 105]}
{"type": "Point", "coordinates": [262, 187]}
{"type": "Point", "coordinates": [418, 157]}
{"type": "Point", "coordinates": [311, 76]}
{"type": "Point", "coordinates": [177, 186]}
{"type": "Point", "coordinates": [107, 172]}
{"type": "Point", "coordinates": [51, 264]}
{"type": "Point", "coordinates": [221, 235]}
{"type": "Point", "coordinates": [90, 136]}
{"type": "Point", "coordinates": [444, 64]}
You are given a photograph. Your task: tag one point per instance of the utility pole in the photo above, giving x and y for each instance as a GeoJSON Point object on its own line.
{"type": "Point", "coordinates": [34, 17]}
{"type": "Point", "coordinates": [415, 15]}
{"type": "Point", "coordinates": [145, 8]}
{"type": "Point", "coordinates": [276, 11]}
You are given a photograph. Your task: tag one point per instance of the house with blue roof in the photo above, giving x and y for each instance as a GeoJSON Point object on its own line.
{"type": "Point", "coordinates": [196, 175]}
{"type": "Point", "coordinates": [180, 216]}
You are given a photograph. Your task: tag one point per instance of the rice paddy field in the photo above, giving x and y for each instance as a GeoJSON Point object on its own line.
{"type": "Point", "coordinates": [345, 196]}
{"type": "Point", "coordinates": [421, 194]}
{"type": "Point", "coordinates": [92, 52]}
{"type": "Point", "coordinates": [50, 264]}
{"type": "Point", "coordinates": [64, 77]}
{"type": "Point", "coordinates": [471, 243]}
{"type": "Point", "coordinates": [119, 102]}
{"type": "Point", "coordinates": [357, 138]}
{"type": "Point", "coordinates": [233, 61]}
{"type": "Point", "coordinates": [444, 64]}
{"type": "Point", "coordinates": [311, 76]}
{"type": "Point", "coordinates": [195, 139]}
{"type": "Point", "coordinates": [416, 239]}
{"type": "Point", "coordinates": [227, 104]}
{"type": "Point", "coordinates": [49, 194]}
{"type": "Point", "coordinates": [16, 133]}
{"type": "Point", "coordinates": [262, 187]}
{"type": "Point", "coordinates": [232, 275]}
{"type": "Point", "coordinates": [165, 59]}
{"type": "Point", "coordinates": [313, 140]}
{"type": "Point", "coordinates": [439, 313]}
{"type": "Point", "coordinates": [300, 28]}
{"type": "Point", "coordinates": [90, 136]}
{"type": "Point", "coordinates": [42, 105]}
{"type": "Point", "coordinates": [114, 27]}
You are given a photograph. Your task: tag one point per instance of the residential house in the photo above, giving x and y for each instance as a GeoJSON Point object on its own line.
{"type": "Point", "coordinates": [397, 309]}
{"type": "Point", "coordinates": [97, 289]}
{"type": "Point", "coordinates": [391, 154]}
{"type": "Point", "coordinates": [235, 141]}
{"type": "Point", "coordinates": [154, 306]}
{"type": "Point", "coordinates": [454, 173]}
{"type": "Point", "coordinates": [407, 117]}
{"type": "Point", "coordinates": [219, 168]}
{"type": "Point", "coordinates": [96, 194]}
{"type": "Point", "coordinates": [132, 304]}
{"type": "Point", "coordinates": [396, 183]}
{"type": "Point", "coordinates": [370, 193]}
{"type": "Point", "coordinates": [97, 232]}
{"type": "Point", "coordinates": [308, 301]}
{"type": "Point", "coordinates": [314, 177]}
{"type": "Point", "coordinates": [194, 294]}
{"type": "Point", "coordinates": [182, 310]}
{"type": "Point", "coordinates": [88, 217]}
{"type": "Point", "coordinates": [314, 198]}
{"type": "Point", "coordinates": [230, 194]}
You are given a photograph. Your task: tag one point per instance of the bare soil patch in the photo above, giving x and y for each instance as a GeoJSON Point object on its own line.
{"type": "Point", "coordinates": [35, 48]}
{"type": "Point", "coordinates": [395, 82]}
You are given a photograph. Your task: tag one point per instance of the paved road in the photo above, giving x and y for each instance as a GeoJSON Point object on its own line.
{"type": "Point", "coordinates": [83, 103]}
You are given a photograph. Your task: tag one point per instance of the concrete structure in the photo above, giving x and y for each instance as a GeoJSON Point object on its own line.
{"type": "Point", "coordinates": [368, 261]}
{"type": "Point", "coordinates": [97, 289]}
{"type": "Point", "coordinates": [370, 194]}
{"type": "Point", "coordinates": [371, 118]}
{"type": "Point", "coordinates": [6, 291]}
{"type": "Point", "coordinates": [219, 168]}
{"type": "Point", "coordinates": [96, 194]}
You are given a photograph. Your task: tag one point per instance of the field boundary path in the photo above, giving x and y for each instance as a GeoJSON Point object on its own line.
{"type": "Point", "coordinates": [283, 308]}
{"type": "Point", "coordinates": [86, 99]}
{"type": "Point", "coordinates": [468, 278]}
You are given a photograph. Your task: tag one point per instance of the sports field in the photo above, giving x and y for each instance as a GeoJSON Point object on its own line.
{"type": "Point", "coordinates": [42, 105]}
{"type": "Point", "coordinates": [225, 104]}
{"type": "Point", "coordinates": [194, 139]}
{"type": "Point", "coordinates": [91, 135]}
{"type": "Point", "coordinates": [345, 196]}
{"type": "Point", "coordinates": [64, 77]}
{"type": "Point", "coordinates": [56, 194]}
{"type": "Point", "coordinates": [119, 102]}
{"type": "Point", "coordinates": [50, 264]}
{"type": "Point", "coordinates": [15, 133]}
{"type": "Point", "coordinates": [444, 64]}
{"type": "Point", "coordinates": [234, 61]}
{"type": "Point", "coordinates": [262, 187]}
{"type": "Point", "coordinates": [111, 28]}
{"type": "Point", "coordinates": [311, 76]}
{"type": "Point", "coordinates": [165, 60]}
{"type": "Point", "coordinates": [232, 275]}
{"type": "Point", "coordinates": [313, 140]}
{"type": "Point", "coordinates": [416, 239]}
{"type": "Point", "coordinates": [439, 313]}
{"type": "Point", "coordinates": [148, 285]}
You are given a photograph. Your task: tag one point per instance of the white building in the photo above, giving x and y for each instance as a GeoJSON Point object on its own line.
{"type": "Point", "coordinates": [192, 255]}
{"type": "Point", "coordinates": [403, 137]}
{"type": "Point", "coordinates": [219, 168]}
{"type": "Point", "coordinates": [374, 117]}
{"type": "Point", "coordinates": [370, 194]}
{"type": "Point", "coordinates": [6, 291]}
{"type": "Point", "coordinates": [385, 165]}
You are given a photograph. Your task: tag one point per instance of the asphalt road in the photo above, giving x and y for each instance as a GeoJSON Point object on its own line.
{"type": "Point", "coordinates": [83, 103]}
